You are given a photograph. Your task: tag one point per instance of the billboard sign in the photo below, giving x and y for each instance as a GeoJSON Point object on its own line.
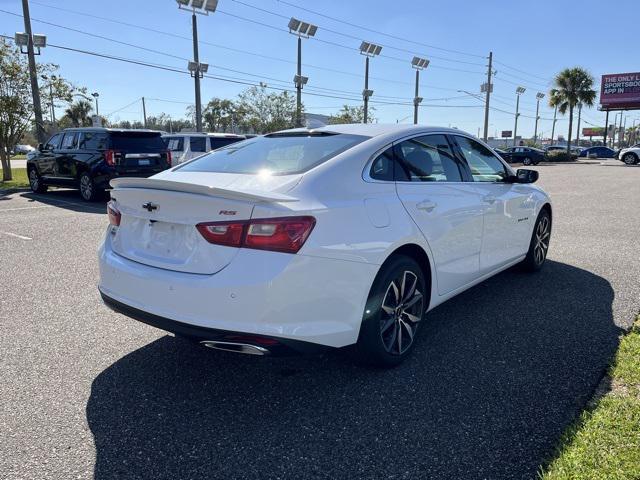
{"type": "Point", "coordinates": [506, 133]}
{"type": "Point", "coordinates": [620, 91]}
{"type": "Point", "coordinates": [593, 132]}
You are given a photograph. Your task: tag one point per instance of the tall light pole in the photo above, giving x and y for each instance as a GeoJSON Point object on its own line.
{"type": "Point", "coordinates": [197, 69]}
{"type": "Point", "coordinates": [95, 95]}
{"type": "Point", "coordinates": [301, 30]}
{"type": "Point", "coordinates": [539, 96]}
{"type": "Point", "coordinates": [519, 91]}
{"type": "Point", "coordinates": [369, 50]}
{"type": "Point", "coordinates": [487, 88]}
{"type": "Point", "coordinates": [553, 128]}
{"type": "Point", "coordinates": [579, 118]}
{"type": "Point", "coordinates": [32, 42]}
{"type": "Point", "coordinates": [620, 132]}
{"type": "Point", "coordinates": [419, 64]}
{"type": "Point", "coordinates": [51, 79]}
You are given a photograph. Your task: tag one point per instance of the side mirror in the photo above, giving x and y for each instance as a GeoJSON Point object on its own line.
{"type": "Point", "coordinates": [524, 175]}
{"type": "Point", "coordinates": [40, 147]}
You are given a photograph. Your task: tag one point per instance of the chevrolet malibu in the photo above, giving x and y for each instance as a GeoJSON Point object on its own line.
{"type": "Point", "coordinates": [344, 235]}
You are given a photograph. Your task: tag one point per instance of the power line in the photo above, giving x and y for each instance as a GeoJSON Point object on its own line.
{"type": "Point", "coordinates": [523, 71]}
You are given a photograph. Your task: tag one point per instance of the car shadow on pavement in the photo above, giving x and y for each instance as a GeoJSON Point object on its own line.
{"type": "Point", "coordinates": [497, 375]}
{"type": "Point", "coordinates": [68, 199]}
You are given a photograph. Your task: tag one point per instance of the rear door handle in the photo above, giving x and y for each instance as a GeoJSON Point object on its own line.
{"type": "Point", "coordinates": [489, 199]}
{"type": "Point", "coordinates": [426, 205]}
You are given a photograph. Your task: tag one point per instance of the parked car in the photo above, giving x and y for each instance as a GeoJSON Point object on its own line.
{"type": "Point", "coordinates": [524, 155]}
{"type": "Point", "coordinates": [575, 151]}
{"type": "Point", "coordinates": [307, 239]}
{"type": "Point", "coordinates": [631, 155]}
{"type": "Point", "coordinates": [22, 149]}
{"type": "Point", "coordinates": [88, 158]}
{"type": "Point", "coordinates": [185, 146]}
{"type": "Point", "coordinates": [597, 152]}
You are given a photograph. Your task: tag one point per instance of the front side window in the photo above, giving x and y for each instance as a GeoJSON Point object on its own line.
{"type": "Point", "coordinates": [198, 144]}
{"type": "Point", "coordinates": [53, 142]}
{"type": "Point", "coordinates": [427, 159]}
{"type": "Point", "coordinates": [275, 154]}
{"type": "Point", "coordinates": [382, 166]}
{"type": "Point", "coordinates": [484, 165]}
{"type": "Point", "coordinates": [69, 141]}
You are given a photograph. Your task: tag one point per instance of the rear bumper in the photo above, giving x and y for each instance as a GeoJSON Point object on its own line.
{"type": "Point", "coordinates": [276, 346]}
{"type": "Point", "coordinates": [287, 297]}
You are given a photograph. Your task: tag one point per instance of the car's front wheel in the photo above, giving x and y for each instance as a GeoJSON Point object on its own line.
{"type": "Point", "coordinates": [35, 181]}
{"type": "Point", "coordinates": [630, 159]}
{"type": "Point", "coordinates": [527, 161]}
{"type": "Point", "coordinates": [539, 245]}
{"type": "Point", "coordinates": [395, 307]}
{"type": "Point", "coordinates": [88, 189]}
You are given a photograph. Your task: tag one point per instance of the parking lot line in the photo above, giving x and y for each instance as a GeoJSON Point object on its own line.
{"type": "Point", "coordinates": [21, 237]}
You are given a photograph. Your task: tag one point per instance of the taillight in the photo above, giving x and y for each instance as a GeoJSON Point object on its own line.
{"type": "Point", "coordinates": [110, 157]}
{"type": "Point", "coordinates": [114, 214]}
{"type": "Point", "coordinates": [286, 234]}
{"type": "Point", "coordinates": [169, 158]}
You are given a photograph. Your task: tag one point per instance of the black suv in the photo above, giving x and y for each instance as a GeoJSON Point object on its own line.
{"type": "Point", "coordinates": [88, 158]}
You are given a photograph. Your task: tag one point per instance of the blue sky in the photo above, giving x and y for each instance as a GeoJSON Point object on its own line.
{"type": "Point", "coordinates": [529, 40]}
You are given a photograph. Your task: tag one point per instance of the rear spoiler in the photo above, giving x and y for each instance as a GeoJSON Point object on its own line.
{"type": "Point", "coordinates": [157, 184]}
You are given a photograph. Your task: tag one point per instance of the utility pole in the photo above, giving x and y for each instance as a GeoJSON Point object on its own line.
{"type": "Point", "coordinates": [539, 96]}
{"type": "Point", "coordinates": [488, 98]}
{"type": "Point", "coordinates": [579, 117]}
{"type": "Point", "coordinates": [196, 59]}
{"type": "Point", "coordinates": [553, 128]}
{"type": "Point", "coordinates": [624, 128]}
{"type": "Point", "coordinates": [606, 128]}
{"type": "Point", "coordinates": [35, 90]}
{"type": "Point", "coordinates": [620, 131]}
{"type": "Point", "coordinates": [144, 112]}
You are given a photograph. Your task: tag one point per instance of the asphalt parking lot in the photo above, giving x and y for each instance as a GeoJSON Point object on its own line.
{"type": "Point", "coordinates": [497, 375]}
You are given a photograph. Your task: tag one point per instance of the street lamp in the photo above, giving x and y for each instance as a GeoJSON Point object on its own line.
{"type": "Point", "coordinates": [51, 79]}
{"type": "Point", "coordinates": [95, 95]}
{"type": "Point", "coordinates": [301, 30]}
{"type": "Point", "coordinates": [369, 50]}
{"type": "Point", "coordinates": [202, 7]}
{"type": "Point", "coordinates": [419, 64]}
{"type": "Point", "coordinates": [519, 91]}
{"type": "Point", "coordinates": [539, 96]}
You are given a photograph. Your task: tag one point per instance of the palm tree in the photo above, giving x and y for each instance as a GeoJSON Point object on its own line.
{"type": "Point", "coordinates": [572, 86]}
{"type": "Point", "coordinates": [78, 113]}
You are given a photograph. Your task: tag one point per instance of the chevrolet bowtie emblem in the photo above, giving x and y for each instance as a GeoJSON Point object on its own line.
{"type": "Point", "coordinates": [150, 206]}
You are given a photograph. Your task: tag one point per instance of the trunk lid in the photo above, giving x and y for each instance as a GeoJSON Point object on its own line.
{"type": "Point", "coordinates": [159, 217]}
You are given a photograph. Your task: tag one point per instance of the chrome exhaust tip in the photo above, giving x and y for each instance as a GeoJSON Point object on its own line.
{"type": "Point", "coordinates": [245, 348]}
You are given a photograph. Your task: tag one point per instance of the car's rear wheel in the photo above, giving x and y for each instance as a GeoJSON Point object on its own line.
{"type": "Point", "coordinates": [527, 161]}
{"type": "Point", "coordinates": [395, 307]}
{"type": "Point", "coordinates": [630, 159]}
{"type": "Point", "coordinates": [88, 189]}
{"type": "Point", "coordinates": [539, 245]}
{"type": "Point", "coordinates": [35, 181]}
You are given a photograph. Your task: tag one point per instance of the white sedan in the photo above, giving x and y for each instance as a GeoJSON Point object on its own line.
{"type": "Point", "coordinates": [306, 239]}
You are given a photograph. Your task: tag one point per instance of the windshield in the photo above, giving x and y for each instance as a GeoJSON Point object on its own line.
{"type": "Point", "coordinates": [275, 154]}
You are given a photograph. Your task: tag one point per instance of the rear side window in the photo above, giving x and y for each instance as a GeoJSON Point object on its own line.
{"type": "Point", "coordinates": [427, 159]}
{"type": "Point", "coordinates": [217, 142]}
{"type": "Point", "coordinates": [275, 154]}
{"type": "Point", "coordinates": [53, 142]}
{"type": "Point", "coordinates": [484, 165]}
{"type": "Point", "coordinates": [93, 141]}
{"type": "Point", "coordinates": [198, 144]}
{"type": "Point", "coordinates": [137, 142]}
{"type": "Point", "coordinates": [175, 144]}
{"type": "Point", "coordinates": [69, 141]}
{"type": "Point", "coordinates": [382, 166]}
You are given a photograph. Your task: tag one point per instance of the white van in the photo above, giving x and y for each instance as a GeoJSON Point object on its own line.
{"type": "Point", "coordinates": [185, 146]}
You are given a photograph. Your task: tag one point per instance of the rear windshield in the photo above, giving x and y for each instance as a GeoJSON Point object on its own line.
{"type": "Point", "coordinates": [137, 142]}
{"type": "Point", "coordinates": [276, 154]}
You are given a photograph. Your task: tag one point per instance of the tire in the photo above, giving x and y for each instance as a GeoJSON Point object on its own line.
{"type": "Point", "coordinates": [389, 327]}
{"type": "Point", "coordinates": [88, 190]}
{"type": "Point", "coordinates": [630, 159]}
{"type": "Point", "coordinates": [35, 181]}
{"type": "Point", "coordinates": [539, 244]}
{"type": "Point", "coordinates": [527, 161]}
